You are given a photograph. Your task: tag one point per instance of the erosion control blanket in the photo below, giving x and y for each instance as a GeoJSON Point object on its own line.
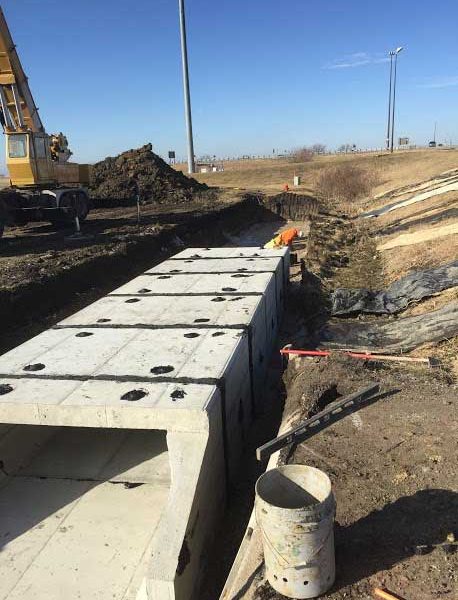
{"type": "Point", "coordinates": [401, 293]}
{"type": "Point", "coordinates": [397, 335]}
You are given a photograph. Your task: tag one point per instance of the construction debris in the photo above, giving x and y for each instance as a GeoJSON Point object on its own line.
{"type": "Point", "coordinates": [412, 288]}
{"type": "Point", "coordinates": [385, 595]}
{"type": "Point", "coordinates": [141, 173]}
{"type": "Point", "coordinates": [400, 335]}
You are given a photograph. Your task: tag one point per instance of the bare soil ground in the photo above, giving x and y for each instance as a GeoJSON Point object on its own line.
{"type": "Point", "coordinates": [393, 464]}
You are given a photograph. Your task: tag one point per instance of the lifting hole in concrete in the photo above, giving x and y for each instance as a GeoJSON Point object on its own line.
{"type": "Point", "coordinates": [103, 320]}
{"type": "Point", "coordinates": [217, 333]}
{"type": "Point", "coordinates": [243, 269]}
{"type": "Point", "coordinates": [188, 261]}
{"type": "Point", "coordinates": [201, 320]}
{"type": "Point", "coordinates": [144, 291]}
{"type": "Point", "coordinates": [162, 369]}
{"type": "Point", "coordinates": [275, 577]}
{"type": "Point", "coordinates": [229, 289]}
{"type": "Point", "coordinates": [236, 299]}
{"type": "Point", "coordinates": [5, 388]}
{"type": "Point", "coordinates": [175, 271]}
{"type": "Point", "coordinates": [306, 582]}
{"type": "Point", "coordinates": [132, 300]}
{"type": "Point", "coordinates": [134, 395]}
{"type": "Point", "coordinates": [285, 579]}
{"type": "Point", "coordinates": [241, 275]}
{"type": "Point", "coordinates": [218, 299]}
{"type": "Point", "coordinates": [34, 367]}
{"type": "Point", "coordinates": [195, 256]}
{"type": "Point", "coordinates": [164, 277]}
{"type": "Point", "coordinates": [84, 334]}
{"type": "Point", "coordinates": [177, 394]}
{"type": "Point", "coordinates": [191, 335]}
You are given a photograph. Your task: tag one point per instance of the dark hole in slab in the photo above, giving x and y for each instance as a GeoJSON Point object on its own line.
{"type": "Point", "coordinates": [242, 269]}
{"type": "Point", "coordinates": [161, 369]}
{"type": "Point", "coordinates": [250, 259]}
{"type": "Point", "coordinates": [134, 395]}
{"type": "Point", "coordinates": [131, 485]}
{"type": "Point", "coordinates": [255, 254]}
{"type": "Point", "coordinates": [218, 299]}
{"type": "Point", "coordinates": [229, 289]}
{"type": "Point", "coordinates": [34, 367]}
{"type": "Point", "coordinates": [191, 335]}
{"type": "Point", "coordinates": [235, 299]}
{"type": "Point", "coordinates": [164, 277]}
{"type": "Point", "coordinates": [275, 577]}
{"type": "Point", "coordinates": [132, 300]}
{"type": "Point", "coordinates": [217, 333]}
{"type": "Point", "coordinates": [195, 256]}
{"type": "Point", "coordinates": [84, 334]}
{"type": "Point", "coordinates": [306, 582]}
{"type": "Point", "coordinates": [285, 580]}
{"type": "Point", "coordinates": [103, 320]}
{"type": "Point", "coordinates": [201, 320]}
{"type": "Point", "coordinates": [175, 271]}
{"type": "Point", "coordinates": [178, 394]}
{"type": "Point", "coordinates": [188, 261]}
{"type": "Point", "coordinates": [144, 291]}
{"type": "Point", "coordinates": [241, 275]}
{"type": "Point", "coordinates": [5, 388]}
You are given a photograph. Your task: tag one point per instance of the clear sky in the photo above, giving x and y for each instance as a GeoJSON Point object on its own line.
{"type": "Point", "coordinates": [264, 73]}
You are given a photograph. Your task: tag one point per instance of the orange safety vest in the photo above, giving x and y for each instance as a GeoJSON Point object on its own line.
{"type": "Point", "coordinates": [285, 238]}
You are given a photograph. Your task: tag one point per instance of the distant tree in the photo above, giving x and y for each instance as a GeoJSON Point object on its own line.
{"type": "Point", "coordinates": [318, 148]}
{"type": "Point", "coordinates": [346, 147]}
{"type": "Point", "coordinates": [302, 154]}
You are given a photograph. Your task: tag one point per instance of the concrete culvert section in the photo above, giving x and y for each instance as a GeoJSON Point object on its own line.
{"type": "Point", "coordinates": [122, 429]}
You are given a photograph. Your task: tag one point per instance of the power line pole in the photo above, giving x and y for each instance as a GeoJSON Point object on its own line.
{"type": "Point", "coordinates": [187, 95]}
{"type": "Point", "coordinates": [389, 102]}
{"type": "Point", "coordinates": [396, 52]}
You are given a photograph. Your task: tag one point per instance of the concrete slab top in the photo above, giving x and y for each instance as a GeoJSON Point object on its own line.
{"type": "Point", "coordinates": [195, 284]}
{"type": "Point", "coordinates": [242, 252]}
{"type": "Point", "coordinates": [123, 354]}
{"type": "Point", "coordinates": [157, 311]}
{"type": "Point", "coordinates": [229, 265]}
{"type": "Point", "coordinates": [107, 404]}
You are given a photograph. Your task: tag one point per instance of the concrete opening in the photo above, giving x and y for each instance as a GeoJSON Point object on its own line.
{"type": "Point", "coordinates": [78, 510]}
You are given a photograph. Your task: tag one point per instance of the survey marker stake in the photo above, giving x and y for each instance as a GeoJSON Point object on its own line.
{"type": "Point", "coordinates": [332, 413]}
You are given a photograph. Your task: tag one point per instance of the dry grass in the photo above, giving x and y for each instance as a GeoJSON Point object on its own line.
{"type": "Point", "coordinates": [343, 184]}
{"type": "Point", "coordinates": [270, 175]}
{"type": "Point", "coordinates": [400, 261]}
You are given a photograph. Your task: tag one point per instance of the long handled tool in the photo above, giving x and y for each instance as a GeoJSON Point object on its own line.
{"type": "Point", "coordinates": [332, 413]}
{"type": "Point", "coordinates": [385, 595]}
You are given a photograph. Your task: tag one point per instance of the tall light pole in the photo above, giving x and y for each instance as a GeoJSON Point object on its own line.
{"type": "Point", "coordinates": [187, 95]}
{"type": "Point", "coordinates": [396, 52]}
{"type": "Point", "coordinates": [388, 127]}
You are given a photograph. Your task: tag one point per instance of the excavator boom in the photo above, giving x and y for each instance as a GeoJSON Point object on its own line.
{"type": "Point", "coordinates": [20, 112]}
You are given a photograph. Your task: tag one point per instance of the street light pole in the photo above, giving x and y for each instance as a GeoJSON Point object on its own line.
{"type": "Point", "coordinates": [187, 95]}
{"type": "Point", "coordinates": [389, 103]}
{"type": "Point", "coordinates": [396, 52]}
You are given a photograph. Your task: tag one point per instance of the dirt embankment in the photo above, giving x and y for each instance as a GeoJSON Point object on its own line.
{"type": "Point", "coordinates": [119, 179]}
{"type": "Point", "coordinates": [43, 279]}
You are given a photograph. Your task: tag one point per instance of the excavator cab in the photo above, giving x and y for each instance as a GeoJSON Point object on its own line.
{"type": "Point", "coordinates": [28, 158]}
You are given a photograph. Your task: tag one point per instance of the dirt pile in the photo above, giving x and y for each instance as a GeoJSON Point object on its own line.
{"type": "Point", "coordinates": [118, 178]}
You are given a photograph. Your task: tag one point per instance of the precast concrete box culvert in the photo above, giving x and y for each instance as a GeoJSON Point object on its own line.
{"type": "Point", "coordinates": [295, 510]}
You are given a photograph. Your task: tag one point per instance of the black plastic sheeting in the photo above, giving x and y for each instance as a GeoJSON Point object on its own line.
{"type": "Point", "coordinates": [413, 287]}
{"type": "Point", "coordinates": [393, 335]}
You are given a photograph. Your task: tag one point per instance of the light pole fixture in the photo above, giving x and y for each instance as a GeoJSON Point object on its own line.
{"type": "Point", "coordinates": [388, 127]}
{"type": "Point", "coordinates": [396, 52]}
{"type": "Point", "coordinates": [187, 95]}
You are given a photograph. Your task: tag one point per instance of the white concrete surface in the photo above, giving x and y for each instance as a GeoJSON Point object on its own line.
{"type": "Point", "coordinates": [121, 427]}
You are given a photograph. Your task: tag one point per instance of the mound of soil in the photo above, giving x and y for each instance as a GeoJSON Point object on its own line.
{"type": "Point", "coordinates": [118, 178]}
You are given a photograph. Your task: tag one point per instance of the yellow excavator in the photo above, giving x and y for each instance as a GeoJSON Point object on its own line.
{"type": "Point", "coordinates": [45, 186]}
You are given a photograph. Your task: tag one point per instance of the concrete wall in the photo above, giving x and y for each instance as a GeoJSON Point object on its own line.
{"type": "Point", "coordinates": [181, 349]}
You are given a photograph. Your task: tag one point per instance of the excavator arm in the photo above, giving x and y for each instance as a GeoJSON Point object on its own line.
{"type": "Point", "coordinates": [20, 112]}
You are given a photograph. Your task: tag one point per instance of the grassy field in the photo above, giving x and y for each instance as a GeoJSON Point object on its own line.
{"type": "Point", "coordinates": [270, 175]}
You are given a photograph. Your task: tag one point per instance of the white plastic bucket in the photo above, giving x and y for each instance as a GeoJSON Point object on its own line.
{"type": "Point", "coordinates": [295, 511]}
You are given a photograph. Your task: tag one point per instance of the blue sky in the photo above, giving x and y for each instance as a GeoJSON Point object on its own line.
{"type": "Point", "coordinates": [264, 73]}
